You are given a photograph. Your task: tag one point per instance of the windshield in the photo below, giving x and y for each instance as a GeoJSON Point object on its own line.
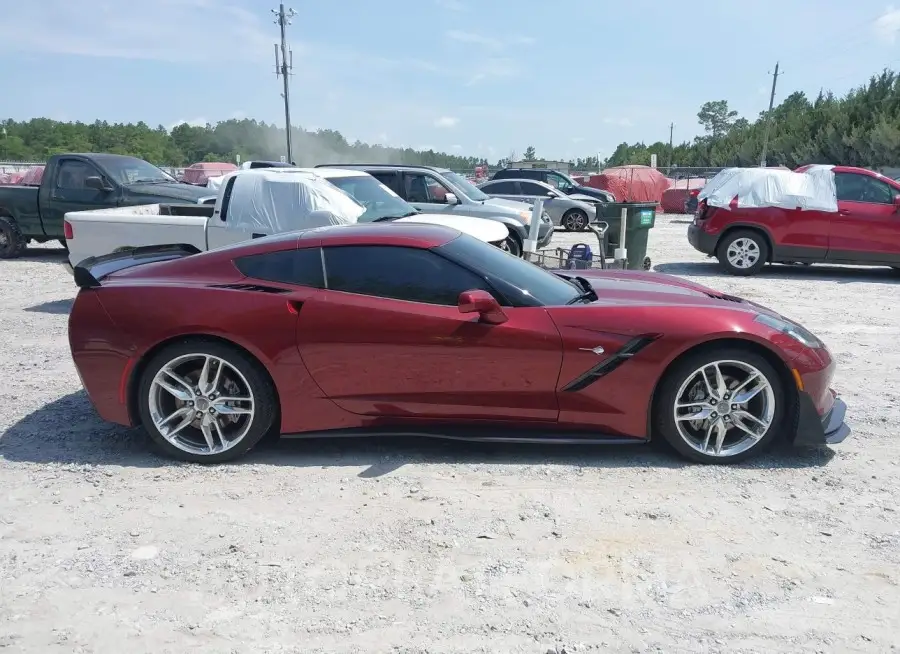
{"type": "Point", "coordinates": [378, 199]}
{"type": "Point", "coordinates": [471, 191]}
{"type": "Point", "coordinates": [524, 283]}
{"type": "Point", "coordinates": [127, 170]}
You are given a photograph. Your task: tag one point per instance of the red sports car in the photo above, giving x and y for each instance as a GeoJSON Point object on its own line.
{"type": "Point", "coordinates": [418, 329]}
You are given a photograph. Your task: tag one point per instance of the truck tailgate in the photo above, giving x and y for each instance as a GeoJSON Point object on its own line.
{"type": "Point", "coordinates": [100, 232]}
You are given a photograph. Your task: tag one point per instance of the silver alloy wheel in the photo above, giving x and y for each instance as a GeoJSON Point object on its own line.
{"type": "Point", "coordinates": [743, 253]}
{"type": "Point", "coordinates": [4, 240]}
{"type": "Point", "coordinates": [576, 221]}
{"type": "Point", "coordinates": [724, 408]}
{"type": "Point", "coordinates": [201, 404]}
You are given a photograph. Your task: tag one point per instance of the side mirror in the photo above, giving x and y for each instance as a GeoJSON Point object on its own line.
{"type": "Point", "coordinates": [484, 304]}
{"type": "Point", "coordinates": [451, 198]}
{"type": "Point", "coordinates": [96, 183]}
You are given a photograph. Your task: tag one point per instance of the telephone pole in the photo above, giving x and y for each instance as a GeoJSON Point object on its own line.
{"type": "Point", "coordinates": [671, 147]}
{"type": "Point", "coordinates": [283, 67]}
{"type": "Point", "coordinates": [762, 158]}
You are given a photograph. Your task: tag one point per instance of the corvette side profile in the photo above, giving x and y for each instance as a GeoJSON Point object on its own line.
{"type": "Point", "coordinates": [407, 329]}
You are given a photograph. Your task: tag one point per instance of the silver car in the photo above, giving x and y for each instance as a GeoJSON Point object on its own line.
{"type": "Point", "coordinates": [565, 211]}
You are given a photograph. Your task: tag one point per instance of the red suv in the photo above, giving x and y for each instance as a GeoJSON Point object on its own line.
{"type": "Point", "coordinates": [865, 230]}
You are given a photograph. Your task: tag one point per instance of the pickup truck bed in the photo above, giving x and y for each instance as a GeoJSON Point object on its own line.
{"type": "Point", "coordinates": [105, 228]}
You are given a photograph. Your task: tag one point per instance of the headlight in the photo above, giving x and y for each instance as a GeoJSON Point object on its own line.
{"type": "Point", "coordinates": [546, 217]}
{"type": "Point", "coordinates": [526, 216]}
{"type": "Point", "coordinates": [793, 330]}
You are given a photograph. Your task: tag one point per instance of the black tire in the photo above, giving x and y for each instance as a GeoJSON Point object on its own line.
{"type": "Point", "coordinates": [266, 409]}
{"type": "Point", "coordinates": [62, 242]}
{"type": "Point", "coordinates": [512, 245]}
{"type": "Point", "coordinates": [663, 409]}
{"type": "Point", "coordinates": [12, 242]}
{"type": "Point", "coordinates": [752, 242]}
{"type": "Point", "coordinates": [574, 220]}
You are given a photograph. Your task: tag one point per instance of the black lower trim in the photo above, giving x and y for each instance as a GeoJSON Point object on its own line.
{"type": "Point", "coordinates": [814, 430]}
{"type": "Point", "coordinates": [259, 288]}
{"type": "Point", "coordinates": [782, 254]}
{"type": "Point", "coordinates": [610, 363]}
{"type": "Point", "coordinates": [701, 241]}
{"type": "Point", "coordinates": [548, 434]}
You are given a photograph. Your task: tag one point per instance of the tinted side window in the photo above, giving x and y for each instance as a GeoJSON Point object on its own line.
{"type": "Point", "coordinates": [72, 174]}
{"type": "Point", "coordinates": [879, 192]}
{"type": "Point", "coordinates": [399, 273]}
{"type": "Point", "coordinates": [391, 180]}
{"type": "Point", "coordinates": [300, 267]}
{"type": "Point", "coordinates": [501, 188]}
{"type": "Point", "coordinates": [529, 188]}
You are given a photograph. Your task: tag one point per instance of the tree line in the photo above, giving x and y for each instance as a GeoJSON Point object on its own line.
{"type": "Point", "coordinates": [861, 128]}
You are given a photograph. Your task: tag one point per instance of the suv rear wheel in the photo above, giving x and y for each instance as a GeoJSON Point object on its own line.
{"type": "Point", "coordinates": [743, 252]}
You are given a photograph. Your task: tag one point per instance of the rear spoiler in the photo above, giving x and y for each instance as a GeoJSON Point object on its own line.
{"type": "Point", "coordinates": [89, 272]}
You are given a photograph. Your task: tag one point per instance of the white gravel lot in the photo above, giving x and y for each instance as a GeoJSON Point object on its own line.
{"type": "Point", "coordinates": [405, 546]}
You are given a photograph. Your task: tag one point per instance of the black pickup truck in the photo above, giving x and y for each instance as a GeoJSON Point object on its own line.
{"type": "Point", "coordinates": [81, 182]}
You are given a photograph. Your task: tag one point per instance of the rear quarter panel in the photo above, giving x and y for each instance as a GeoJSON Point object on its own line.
{"type": "Point", "coordinates": [147, 315]}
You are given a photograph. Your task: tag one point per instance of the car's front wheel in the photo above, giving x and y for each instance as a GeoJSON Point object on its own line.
{"type": "Point", "coordinates": [205, 401]}
{"type": "Point", "coordinates": [511, 244]}
{"type": "Point", "coordinates": [720, 406]}
{"type": "Point", "coordinates": [743, 252]}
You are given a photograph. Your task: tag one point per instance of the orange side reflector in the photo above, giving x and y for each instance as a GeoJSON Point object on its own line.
{"type": "Point", "coordinates": [797, 379]}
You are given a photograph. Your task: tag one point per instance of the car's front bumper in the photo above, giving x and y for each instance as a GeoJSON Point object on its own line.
{"type": "Point", "coordinates": [701, 241]}
{"type": "Point", "coordinates": [814, 430]}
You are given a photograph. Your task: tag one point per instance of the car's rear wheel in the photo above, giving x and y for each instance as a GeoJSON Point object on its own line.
{"type": "Point", "coordinates": [720, 406]}
{"type": "Point", "coordinates": [205, 401]}
{"type": "Point", "coordinates": [575, 220]}
{"type": "Point", "coordinates": [743, 252]}
{"type": "Point", "coordinates": [12, 243]}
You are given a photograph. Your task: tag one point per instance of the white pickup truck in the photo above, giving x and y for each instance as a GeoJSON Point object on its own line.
{"type": "Point", "coordinates": [253, 204]}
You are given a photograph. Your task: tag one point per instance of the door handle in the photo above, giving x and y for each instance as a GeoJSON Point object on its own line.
{"type": "Point", "coordinates": [843, 213]}
{"type": "Point", "coordinates": [294, 306]}
{"type": "Point", "coordinates": [257, 235]}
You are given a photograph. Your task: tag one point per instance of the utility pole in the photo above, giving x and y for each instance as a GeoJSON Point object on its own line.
{"type": "Point", "coordinates": [762, 158]}
{"type": "Point", "coordinates": [671, 147]}
{"type": "Point", "coordinates": [283, 67]}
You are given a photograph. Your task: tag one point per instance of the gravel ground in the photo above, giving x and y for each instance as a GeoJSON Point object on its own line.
{"type": "Point", "coordinates": [404, 546]}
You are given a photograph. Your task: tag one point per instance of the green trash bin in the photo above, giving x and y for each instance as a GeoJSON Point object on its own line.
{"type": "Point", "coordinates": [641, 217]}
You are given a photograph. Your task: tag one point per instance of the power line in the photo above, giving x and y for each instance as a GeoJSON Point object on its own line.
{"type": "Point", "coordinates": [762, 158]}
{"type": "Point", "coordinates": [283, 67]}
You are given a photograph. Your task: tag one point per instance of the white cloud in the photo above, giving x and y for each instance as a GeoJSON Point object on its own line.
{"type": "Point", "coordinates": [446, 121]}
{"type": "Point", "coordinates": [621, 122]}
{"type": "Point", "coordinates": [195, 32]}
{"type": "Point", "coordinates": [577, 139]}
{"type": "Point", "coordinates": [887, 26]}
{"type": "Point", "coordinates": [456, 147]}
{"type": "Point", "coordinates": [193, 122]}
{"type": "Point", "coordinates": [492, 42]}
{"type": "Point", "coordinates": [382, 139]}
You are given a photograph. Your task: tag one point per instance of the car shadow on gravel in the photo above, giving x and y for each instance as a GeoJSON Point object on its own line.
{"type": "Point", "coordinates": [68, 431]}
{"type": "Point", "coordinates": [48, 255]}
{"type": "Point", "coordinates": [839, 274]}
{"type": "Point", "coordinates": [54, 306]}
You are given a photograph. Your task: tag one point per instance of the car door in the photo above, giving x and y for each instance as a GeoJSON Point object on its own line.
{"type": "Point", "coordinates": [532, 191]}
{"type": "Point", "coordinates": [866, 228]}
{"type": "Point", "coordinates": [386, 339]}
{"type": "Point", "coordinates": [508, 190]}
{"type": "Point", "coordinates": [426, 193]}
{"type": "Point", "coordinates": [69, 193]}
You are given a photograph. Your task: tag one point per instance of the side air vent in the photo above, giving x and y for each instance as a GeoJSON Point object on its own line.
{"type": "Point", "coordinates": [609, 364]}
{"type": "Point", "coordinates": [258, 288]}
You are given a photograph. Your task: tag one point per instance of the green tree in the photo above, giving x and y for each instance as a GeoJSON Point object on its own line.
{"type": "Point", "coordinates": [716, 117]}
{"type": "Point", "coordinates": [530, 154]}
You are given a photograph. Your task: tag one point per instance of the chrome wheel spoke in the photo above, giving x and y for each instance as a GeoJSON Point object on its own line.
{"type": "Point", "coordinates": [184, 416]}
{"type": "Point", "coordinates": [231, 410]}
{"type": "Point", "coordinates": [721, 385]}
{"type": "Point", "coordinates": [746, 415]}
{"type": "Point", "coordinates": [704, 412]}
{"type": "Point", "coordinates": [720, 431]}
{"type": "Point", "coordinates": [212, 434]}
{"type": "Point", "coordinates": [174, 385]}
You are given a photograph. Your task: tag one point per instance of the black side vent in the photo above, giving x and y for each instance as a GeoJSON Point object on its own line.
{"type": "Point", "coordinates": [258, 288]}
{"type": "Point", "coordinates": [609, 364]}
{"type": "Point", "coordinates": [723, 296]}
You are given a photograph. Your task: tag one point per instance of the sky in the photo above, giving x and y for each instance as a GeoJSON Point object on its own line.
{"type": "Point", "coordinates": [484, 78]}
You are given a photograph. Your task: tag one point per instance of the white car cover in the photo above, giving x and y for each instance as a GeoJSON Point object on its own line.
{"type": "Point", "coordinates": [812, 190]}
{"type": "Point", "coordinates": [275, 200]}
